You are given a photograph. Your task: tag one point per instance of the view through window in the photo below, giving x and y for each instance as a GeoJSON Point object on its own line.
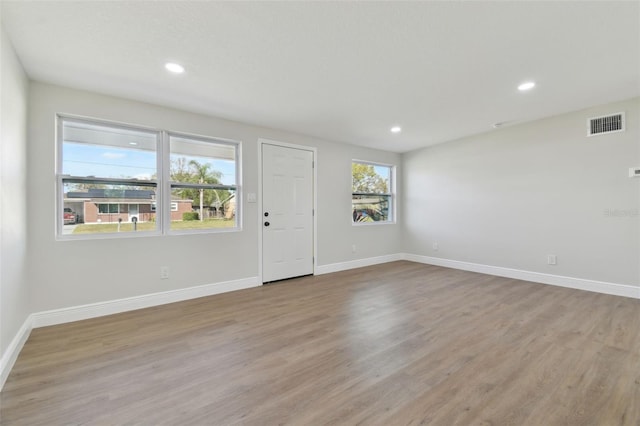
{"type": "Point", "coordinates": [111, 180]}
{"type": "Point", "coordinates": [372, 192]}
{"type": "Point", "coordinates": [203, 183]}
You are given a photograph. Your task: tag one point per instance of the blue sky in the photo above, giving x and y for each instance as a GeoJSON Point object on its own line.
{"type": "Point", "coordinates": [383, 172]}
{"type": "Point", "coordinates": [113, 162]}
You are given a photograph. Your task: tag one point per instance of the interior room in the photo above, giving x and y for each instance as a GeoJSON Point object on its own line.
{"type": "Point", "coordinates": [320, 212]}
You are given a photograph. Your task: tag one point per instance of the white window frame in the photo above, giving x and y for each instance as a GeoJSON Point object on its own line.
{"type": "Point", "coordinates": [162, 184]}
{"type": "Point", "coordinates": [392, 194]}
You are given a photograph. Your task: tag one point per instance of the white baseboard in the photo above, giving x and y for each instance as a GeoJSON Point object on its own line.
{"type": "Point", "coordinates": [538, 277]}
{"type": "Point", "coordinates": [359, 263]}
{"type": "Point", "coordinates": [93, 310]}
{"type": "Point", "coordinates": [10, 356]}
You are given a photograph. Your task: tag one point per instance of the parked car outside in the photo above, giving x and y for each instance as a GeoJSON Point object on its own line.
{"type": "Point", "coordinates": [70, 217]}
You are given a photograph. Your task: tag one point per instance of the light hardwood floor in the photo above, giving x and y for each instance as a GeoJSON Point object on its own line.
{"type": "Point", "coordinates": [394, 344]}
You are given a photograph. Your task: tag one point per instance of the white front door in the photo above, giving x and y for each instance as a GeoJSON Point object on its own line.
{"type": "Point", "coordinates": [287, 212]}
{"type": "Point", "coordinates": [134, 212]}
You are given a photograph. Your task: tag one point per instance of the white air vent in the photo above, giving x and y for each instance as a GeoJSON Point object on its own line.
{"type": "Point", "coordinates": [608, 124]}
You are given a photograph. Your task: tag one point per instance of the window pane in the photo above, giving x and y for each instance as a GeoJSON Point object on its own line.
{"type": "Point", "coordinates": [202, 208]}
{"type": "Point", "coordinates": [370, 178]}
{"type": "Point", "coordinates": [98, 208]}
{"type": "Point", "coordinates": [202, 162]}
{"type": "Point", "coordinates": [108, 152]}
{"type": "Point", "coordinates": [197, 161]}
{"type": "Point", "coordinates": [372, 192]}
{"type": "Point", "coordinates": [370, 208]}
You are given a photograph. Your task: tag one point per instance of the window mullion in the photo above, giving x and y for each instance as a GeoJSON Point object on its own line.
{"type": "Point", "coordinates": [108, 181]}
{"type": "Point", "coordinates": [164, 208]}
{"type": "Point", "coordinates": [387, 194]}
{"type": "Point", "coordinates": [201, 185]}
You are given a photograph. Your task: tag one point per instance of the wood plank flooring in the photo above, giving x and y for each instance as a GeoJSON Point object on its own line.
{"type": "Point", "coordinates": [394, 344]}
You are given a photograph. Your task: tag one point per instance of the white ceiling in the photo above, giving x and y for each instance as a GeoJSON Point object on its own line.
{"type": "Point", "coordinates": [342, 71]}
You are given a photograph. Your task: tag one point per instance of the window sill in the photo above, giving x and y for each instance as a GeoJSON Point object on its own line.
{"type": "Point", "coordinates": [373, 223]}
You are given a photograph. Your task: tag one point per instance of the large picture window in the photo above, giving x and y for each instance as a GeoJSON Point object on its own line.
{"type": "Point", "coordinates": [372, 196]}
{"type": "Point", "coordinates": [121, 180]}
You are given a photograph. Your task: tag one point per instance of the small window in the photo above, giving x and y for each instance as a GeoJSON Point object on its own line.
{"type": "Point", "coordinates": [108, 208]}
{"type": "Point", "coordinates": [203, 183]}
{"type": "Point", "coordinates": [372, 197]}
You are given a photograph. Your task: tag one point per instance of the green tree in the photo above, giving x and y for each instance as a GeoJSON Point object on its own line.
{"type": "Point", "coordinates": [365, 179]}
{"type": "Point", "coordinates": [196, 172]}
{"type": "Point", "coordinates": [180, 171]}
{"type": "Point", "coordinates": [204, 174]}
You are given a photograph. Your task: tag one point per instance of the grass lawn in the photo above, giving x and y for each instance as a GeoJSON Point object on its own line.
{"type": "Point", "coordinates": [102, 228]}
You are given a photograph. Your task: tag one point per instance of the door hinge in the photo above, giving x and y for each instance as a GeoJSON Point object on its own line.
{"type": "Point", "coordinates": [313, 164]}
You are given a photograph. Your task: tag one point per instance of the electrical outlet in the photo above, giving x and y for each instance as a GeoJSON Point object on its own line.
{"type": "Point", "coordinates": [435, 246]}
{"type": "Point", "coordinates": [164, 272]}
{"type": "Point", "coordinates": [353, 248]}
{"type": "Point", "coordinates": [552, 259]}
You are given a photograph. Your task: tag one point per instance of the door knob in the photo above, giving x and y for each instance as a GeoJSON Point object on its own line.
{"type": "Point", "coordinates": [266, 214]}
{"type": "Point", "coordinates": [267, 224]}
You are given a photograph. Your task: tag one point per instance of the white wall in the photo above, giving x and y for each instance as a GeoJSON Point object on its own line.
{"type": "Point", "coordinates": [512, 196]}
{"type": "Point", "coordinates": [71, 273]}
{"type": "Point", "coordinates": [14, 305]}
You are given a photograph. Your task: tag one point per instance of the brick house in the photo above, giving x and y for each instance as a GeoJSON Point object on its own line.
{"type": "Point", "coordinates": [107, 206]}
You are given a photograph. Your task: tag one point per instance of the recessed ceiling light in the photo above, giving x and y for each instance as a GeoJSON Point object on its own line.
{"type": "Point", "coordinates": [396, 129]}
{"type": "Point", "coordinates": [173, 67]}
{"type": "Point", "coordinates": [526, 86]}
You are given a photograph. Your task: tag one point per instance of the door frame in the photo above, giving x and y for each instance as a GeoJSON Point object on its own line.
{"type": "Point", "coordinates": [314, 151]}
